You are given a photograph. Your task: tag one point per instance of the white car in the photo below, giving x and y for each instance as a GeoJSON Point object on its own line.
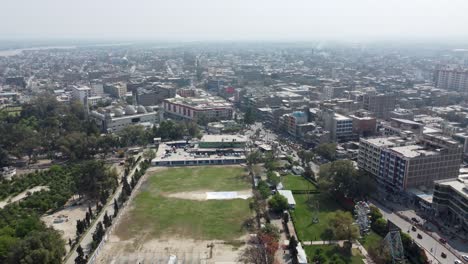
{"type": "Point", "coordinates": [457, 261]}
{"type": "Point", "coordinates": [465, 257]}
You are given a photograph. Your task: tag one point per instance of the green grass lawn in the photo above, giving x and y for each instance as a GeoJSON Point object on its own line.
{"type": "Point", "coordinates": [154, 215]}
{"type": "Point", "coordinates": [370, 239]}
{"type": "Point", "coordinates": [333, 251]}
{"type": "Point", "coordinates": [231, 178]}
{"type": "Point", "coordinates": [302, 214]}
{"type": "Point", "coordinates": [291, 182]}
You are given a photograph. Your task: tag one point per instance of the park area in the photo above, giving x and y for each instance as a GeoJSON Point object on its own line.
{"type": "Point", "coordinates": [332, 254]}
{"type": "Point", "coordinates": [297, 183]}
{"type": "Point", "coordinates": [182, 210]}
{"type": "Point", "coordinates": [306, 210]}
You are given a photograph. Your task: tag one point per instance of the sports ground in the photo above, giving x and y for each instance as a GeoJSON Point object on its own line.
{"type": "Point", "coordinates": [167, 210]}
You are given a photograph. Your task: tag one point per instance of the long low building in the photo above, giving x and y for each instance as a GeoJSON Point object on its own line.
{"type": "Point", "coordinates": [116, 119]}
{"type": "Point", "coordinates": [172, 156]}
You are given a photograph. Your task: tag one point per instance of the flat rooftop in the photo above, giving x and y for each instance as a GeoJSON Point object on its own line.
{"type": "Point", "coordinates": [201, 102]}
{"type": "Point", "coordinates": [167, 153]}
{"type": "Point", "coordinates": [412, 151]}
{"type": "Point", "coordinates": [223, 138]}
{"type": "Point", "coordinates": [460, 185]}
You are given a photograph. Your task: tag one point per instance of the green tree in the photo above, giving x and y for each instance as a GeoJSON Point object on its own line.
{"type": "Point", "coordinates": [149, 154]}
{"type": "Point", "coordinates": [343, 227]}
{"type": "Point", "coordinates": [327, 150]}
{"type": "Point", "coordinates": [380, 226]}
{"type": "Point", "coordinates": [249, 116]}
{"type": "Point", "coordinates": [272, 178]}
{"type": "Point", "coordinates": [278, 203]}
{"type": "Point", "coordinates": [263, 189]}
{"type": "Point", "coordinates": [339, 176]}
{"type": "Point", "coordinates": [80, 259]}
{"type": "Point", "coordinates": [293, 248]}
{"type": "Point", "coordinates": [134, 135]}
{"type": "Point", "coordinates": [39, 247]}
{"type": "Point", "coordinates": [92, 178]}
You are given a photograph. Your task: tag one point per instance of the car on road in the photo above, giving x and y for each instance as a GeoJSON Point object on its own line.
{"type": "Point", "coordinates": [457, 261]}
{"type": "Point", "coordinates": [465, 257]}
{"type": "Point", "coordinates": [415, 219]}
{"type": "Point", "coordinates": [443, 255]}
{"type": "Point", "coordinates": [442, 240]}
{"type": "Point", "coordinates": [419, 236]}
{"type": "Point", "coordinates": [413, 228]}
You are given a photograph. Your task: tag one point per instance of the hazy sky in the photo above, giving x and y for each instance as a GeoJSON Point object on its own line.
{"type": "Point", "coordinates": [193, 20]}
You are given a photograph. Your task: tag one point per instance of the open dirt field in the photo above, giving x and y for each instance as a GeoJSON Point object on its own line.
{"type": "Point", "coordinates": [65, 219]}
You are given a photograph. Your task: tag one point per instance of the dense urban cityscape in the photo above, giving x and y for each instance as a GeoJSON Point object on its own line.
{"type": "Point", "coordinates": [212, 132]}
{"type": "Point", "coordinates": [343, 146]}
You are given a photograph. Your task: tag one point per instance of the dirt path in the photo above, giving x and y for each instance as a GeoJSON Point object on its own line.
{"type": "Point", "coordinates": [22, 195]}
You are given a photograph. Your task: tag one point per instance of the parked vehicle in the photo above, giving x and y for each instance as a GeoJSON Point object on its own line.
{"type": "Point", "coordinates": [419, 236]}
{"type": "Point", "coordinates": [442, 240]}
{"type": "Point", "coordinates": [443, 255]}
{"type": "Point", "coordinates": [465, 257]}
{"type": "Point", "coordinates": [413, 228]}
{"type": "Point", "coordinates": [415, 219]}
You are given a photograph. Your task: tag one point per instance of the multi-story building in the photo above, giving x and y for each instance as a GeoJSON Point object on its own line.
{"type": "Point", "coordinates": [117, 90]}
{"type": "Point", "coordinates": [451, 78]}
{"type": "Point", "coordinates": [79, 93]}
{"type": "Point", "coordinates": [379, 104]}
{"type": "Point", "coordinates": [340, 126]}
{"type": "Point", "coordinates": [400, 164]}
{"type": "Point", "coordinates": [403, 127]}
{"type": "Point", "coordinates": [450, 201]}
{"type": "Point", "coordinates": [212, 108]}
{"type": "Point", "coordinates": [154, 95]}
{"type": "Point", "coordinates": [363, 124]}
{"type": "Point", "coordinates": [291, 121]}
{"type": "Point", "coordinates": [330, 92]}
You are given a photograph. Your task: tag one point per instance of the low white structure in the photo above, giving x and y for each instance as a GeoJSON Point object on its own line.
{"type": "Point", "coordinates": [7, 173]}
{"type": "Point", "coordinates": [115, 119]}
{"type": "Point", "coordinates": [288, 194]}
{"type": "Point", "coordinates": [301, 255]}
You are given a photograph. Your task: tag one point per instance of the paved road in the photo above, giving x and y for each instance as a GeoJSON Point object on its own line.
{"type": "Point", "coordinates": [427, 242]}
{"type": "Point", "coordinates": [109, 207]}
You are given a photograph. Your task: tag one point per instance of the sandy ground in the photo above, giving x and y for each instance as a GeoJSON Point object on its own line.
{"type": "Point", "coordinates": [66, 219]}
{"type": "Point", "coordinates": [202, 196]}
{"type": "Point", "coordinates": [22, 195]}
{"type": "Point", "coordinates": [158, 251]}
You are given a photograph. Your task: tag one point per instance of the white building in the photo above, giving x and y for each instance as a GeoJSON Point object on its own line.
{"type": "Point", "coordinates": [117, 118]}
{"type": "Point", "coordinates": [79, 93]}
{"type": "Point", "coordinates": [340, 126]}
{"type": "Point", "coordinates": [288, 195]}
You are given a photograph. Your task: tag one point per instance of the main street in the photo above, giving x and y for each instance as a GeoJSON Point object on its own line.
{"type": "Point", "coordinates": [433, 248]}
